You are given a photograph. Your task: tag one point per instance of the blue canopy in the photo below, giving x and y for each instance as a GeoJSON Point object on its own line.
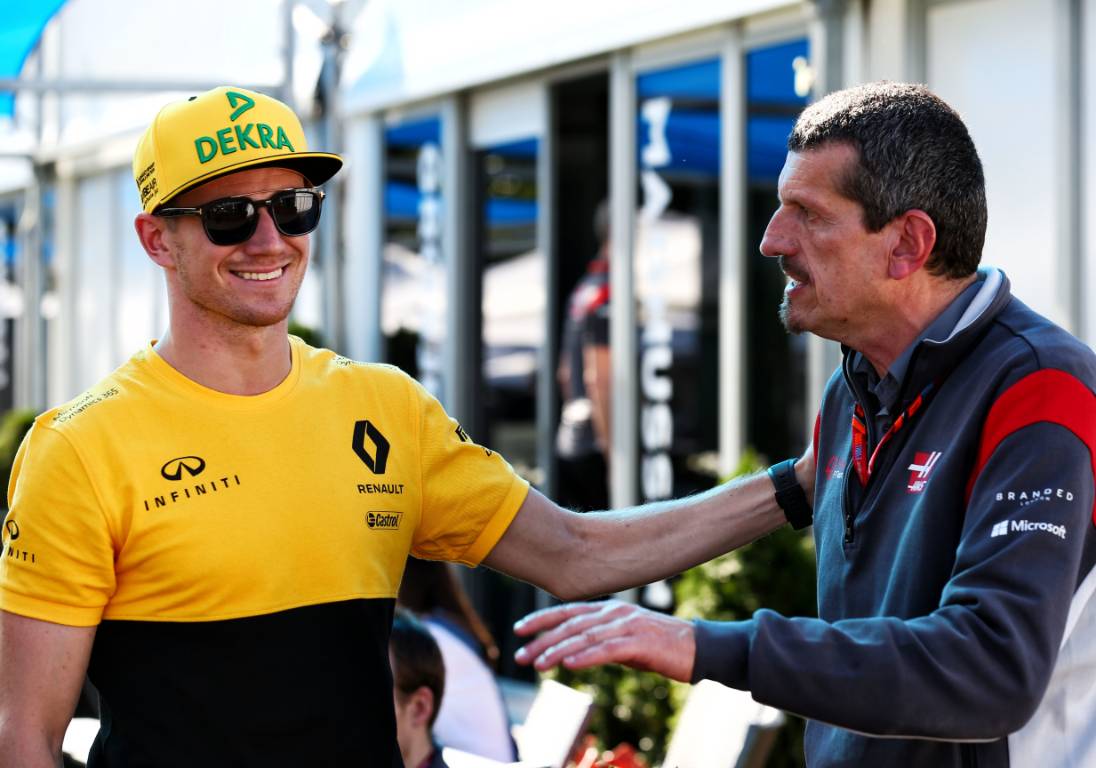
{"type": "Point", "coordinates": [414, 133]}
{"type": "Point", "coordinates": [23, 25]}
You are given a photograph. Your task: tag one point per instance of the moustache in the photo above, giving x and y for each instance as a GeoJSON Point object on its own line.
{"type": "Point", "coordinates": [790, 271]}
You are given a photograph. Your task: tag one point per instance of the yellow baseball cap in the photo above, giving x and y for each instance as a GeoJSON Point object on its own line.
{"type": "Point", "coordinates": [219, 132]}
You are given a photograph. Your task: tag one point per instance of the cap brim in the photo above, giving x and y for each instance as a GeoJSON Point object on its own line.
{"type": "Point", "coordinates": [316, 167]}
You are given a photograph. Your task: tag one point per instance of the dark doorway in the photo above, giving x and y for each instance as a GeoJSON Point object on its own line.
{"type": "Point", "coordinates": [580, 110]}
{"type": "Point", "coordinates": [777, 419]}
{"type": "Point", "coordinates": [509, 292]}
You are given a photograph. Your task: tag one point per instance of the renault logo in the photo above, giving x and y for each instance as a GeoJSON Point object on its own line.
{"type": "Point", "coordinates": [192, 465]}
{"type": "Point", "coordinates": [377, 462]}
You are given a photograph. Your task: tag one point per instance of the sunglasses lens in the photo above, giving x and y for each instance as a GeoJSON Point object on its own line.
{"type": "Point", "coordinates": [230, 221]}
{"type": "Point", "coordinates": [296, 212]}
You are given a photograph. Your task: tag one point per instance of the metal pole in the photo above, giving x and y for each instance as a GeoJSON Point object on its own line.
{"type": "Point", "coordinates": [289, 50]}
{"type": "Point", "coordinates": [624, 480]}
{"type": "Point", "coordinates": [733, 259]}
{"type": "Point", "coordinates": [331, 228]}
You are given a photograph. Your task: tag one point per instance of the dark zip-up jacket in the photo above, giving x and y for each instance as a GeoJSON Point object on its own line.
{"type": "Point", "coordinates": [955, 590]}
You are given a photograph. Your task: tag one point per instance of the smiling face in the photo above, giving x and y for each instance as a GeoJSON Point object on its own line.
{"type": "Point", "coordinates": [252, 284]}
{"type": "Point", "coordinates": [837, 269]}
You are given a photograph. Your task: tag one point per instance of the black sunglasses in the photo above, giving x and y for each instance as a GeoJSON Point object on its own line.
{"type": "Point", "coordinates": [233, 220]}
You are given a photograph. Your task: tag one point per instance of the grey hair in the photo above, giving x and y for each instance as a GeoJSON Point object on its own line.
{"type": "Point", "coordinates": [913, 152]}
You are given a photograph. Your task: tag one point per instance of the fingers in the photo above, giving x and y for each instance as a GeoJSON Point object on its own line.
{"type": "Point", "coordinates": [558, 624]}
{"type": "Point", "coordinates": [546, 618]}
{"type": "Point", "coordinates": [574, 636]}
{"type": "Point", "coordinates": [602, 633]}
{"type": "Point", "coordinates": [614, 650]}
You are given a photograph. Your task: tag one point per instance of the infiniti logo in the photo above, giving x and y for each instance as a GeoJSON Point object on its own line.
{"type": "Point", "coordinates": [173, 469]}
{"type": "Point", "coordinates": [10, 534]}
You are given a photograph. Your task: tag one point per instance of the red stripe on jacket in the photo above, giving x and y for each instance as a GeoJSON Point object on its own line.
{"type": "Point", "coordinates": [817, 429]}
{"type": "Point", "coordinates": [1044, 396]}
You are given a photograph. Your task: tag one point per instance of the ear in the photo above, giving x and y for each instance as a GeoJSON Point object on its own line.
{"type": "Point", "coordinates": [916, 237]}
{"type": "Point", "coordinates": [421, 706]}
{"type": "Point", "coordinates": [152, 231]}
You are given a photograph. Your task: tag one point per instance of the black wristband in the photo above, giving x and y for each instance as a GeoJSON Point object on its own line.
{"type": "Point", "coordinates": [790, 495]}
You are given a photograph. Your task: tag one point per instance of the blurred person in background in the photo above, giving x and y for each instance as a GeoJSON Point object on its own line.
{"type": "Point", "coordinates": [473, 717]}
{"type": "Point", "coordinates": [418, 685]}
{"type": "Point", "coordinates": [953, 499]}
{"type": "Point", "coordinates": [585, 381]}
{"type": "Point", "coordinates": [215, 533]}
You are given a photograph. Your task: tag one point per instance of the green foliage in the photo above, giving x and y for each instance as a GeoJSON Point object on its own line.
{"type": "Point", "coordinates": [629, 706]}
{"type": "Point", "coordinates": [776, 572]}
{"type": "Point", "coordinates": [14, 426]}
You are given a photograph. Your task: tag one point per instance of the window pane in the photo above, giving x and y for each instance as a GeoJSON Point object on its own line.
{"type": "Point", "coordinates": [413, 299]}
{"type": "Point", "coordinates": [677, 276]}
{"type": "Point", "coordinates": [513, 302]}
{"type": "Point", "coordinates": [512, 333]}
{"type": "Point", "coordinates": [776, 420]}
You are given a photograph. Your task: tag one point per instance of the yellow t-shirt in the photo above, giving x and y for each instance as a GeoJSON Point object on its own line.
{"type": "Point", "coordinates": [152, 499]}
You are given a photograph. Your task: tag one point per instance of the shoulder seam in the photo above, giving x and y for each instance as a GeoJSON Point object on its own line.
{"type": "Point", "coordinates": [1032, 349]}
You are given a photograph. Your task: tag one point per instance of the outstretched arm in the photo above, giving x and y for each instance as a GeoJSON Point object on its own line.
{"type": "Point", "coordinates": [974, 668]}
{"type": "Point", "coordinates": [43, 669]}
{"type": "Point", "coordinates": [576, 555]}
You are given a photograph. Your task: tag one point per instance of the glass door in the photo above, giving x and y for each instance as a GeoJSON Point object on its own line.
{"type": "Point", "coordinates": [512, 303]}
{"type": "Point", "coordinates": [512, 330]}
{"type": "Point", "coordinates": [777, 88]}
{"type": "Point", "coordinates": [413, 297]}
{"type": "Point", "coordinates": [676, 272]}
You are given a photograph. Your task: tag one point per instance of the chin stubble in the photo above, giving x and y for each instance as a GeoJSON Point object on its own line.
{"type": "Point", "coordinates": [785, 313]}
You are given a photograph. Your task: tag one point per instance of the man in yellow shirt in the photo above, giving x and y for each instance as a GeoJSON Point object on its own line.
{"type": "Point", "coordinates": [216, 532]}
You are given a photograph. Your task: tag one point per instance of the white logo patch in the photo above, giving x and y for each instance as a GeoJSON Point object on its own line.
{"type": "Point", "coordinates": [1034, 496]}
{"type": "Point", "coordinates": [1005, 527]}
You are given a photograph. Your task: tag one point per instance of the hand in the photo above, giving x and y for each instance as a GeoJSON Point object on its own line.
{"type": "Point", "coordinates": [580, 635]}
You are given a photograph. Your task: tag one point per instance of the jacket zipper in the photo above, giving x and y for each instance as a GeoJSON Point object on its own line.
{"type": "Point", "coordinates": [850, 509]}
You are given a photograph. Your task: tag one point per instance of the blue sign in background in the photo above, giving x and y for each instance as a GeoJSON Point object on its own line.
{"type": "Point", "coordinates": [513, 211]}
{"type": "Point", "coordinates": [772, 106]}
{"type": "Point", "coordinates": [692, 129]}
{"type": "Point", "coordinates": [401, 197]}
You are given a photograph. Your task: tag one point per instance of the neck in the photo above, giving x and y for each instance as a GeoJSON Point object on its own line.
{"type": "Point", "coordinates": [421, 747]}
{"type": "Point", "coordinates": [908, 317]}
{"type": "Point", "coordinates": [243, 363]}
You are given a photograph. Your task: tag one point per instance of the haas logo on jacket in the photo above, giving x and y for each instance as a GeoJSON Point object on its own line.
{"type": "Point", "coordinates": [920, 470]}
{"type": "Point", "coordinates": [835, 467]}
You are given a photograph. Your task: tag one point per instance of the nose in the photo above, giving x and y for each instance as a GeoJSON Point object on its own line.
{"type": "Point", "coordinates": [778, 239]}
{"type": "Point", "coordinates": [266, 237]}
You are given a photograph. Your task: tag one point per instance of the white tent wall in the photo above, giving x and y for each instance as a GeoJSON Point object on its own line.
{"type": "Point", "coordinates": [1009, 98]}
{"type": "Point", "coordinates": [1087, 164]}
{"type": "Point", "coordinates": [94, 269]}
